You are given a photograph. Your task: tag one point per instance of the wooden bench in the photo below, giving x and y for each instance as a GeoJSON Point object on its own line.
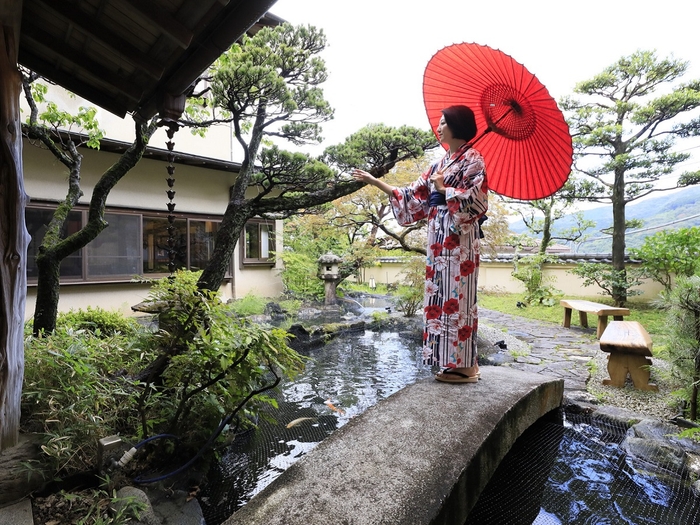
{"type": "Point", "coordinates": [629, 346]}
{"type": "Point", "coordinates": [589, 307]}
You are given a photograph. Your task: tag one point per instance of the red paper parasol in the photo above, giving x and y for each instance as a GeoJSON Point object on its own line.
{"type": "Point", "coordinates": [522, 134]}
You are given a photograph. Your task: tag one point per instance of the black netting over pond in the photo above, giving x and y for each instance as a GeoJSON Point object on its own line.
{"type": "Point", "coordinates": [584, 473]}
{"type": "Point", "coordinates": [581, 472]}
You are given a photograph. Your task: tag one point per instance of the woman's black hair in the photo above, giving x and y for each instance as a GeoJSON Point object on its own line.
{"type": "Point", "coordinates": [461, 121]}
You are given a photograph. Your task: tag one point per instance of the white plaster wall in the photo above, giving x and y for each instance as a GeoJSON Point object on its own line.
{"type": "Point", "coordinates": [113, 297]}
{"type": "Point", "coordinates": [217, 144]}
{"type": "Point", "coordinates": [496, 277]}
{"type": "Point", "coordinates": [197, 190]}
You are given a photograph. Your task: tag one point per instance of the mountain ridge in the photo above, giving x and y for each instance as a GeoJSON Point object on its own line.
{"type": "Point", "coordinates": [669, 210]}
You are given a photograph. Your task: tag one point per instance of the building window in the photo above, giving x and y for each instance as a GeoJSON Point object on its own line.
{"type": "Point", "coordinates": [135, 244]}
{"type": "Point", "coordinates": [202, 235]}
{"type": "Point", "coordinates": [115, 251]}
{"type": "Point", "coordinates": [37, 220]}
{"type": "Point", "coordinates": [156, 256]}
{"type": "Point", "coordinates": [258, 242]}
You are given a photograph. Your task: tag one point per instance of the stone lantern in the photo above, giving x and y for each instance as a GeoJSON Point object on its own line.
{"type": "Point", "coordinates": [329, 264]}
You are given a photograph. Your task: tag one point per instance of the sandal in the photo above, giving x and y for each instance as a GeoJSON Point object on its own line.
{"type": "Point", "coordinates": [450, 375]}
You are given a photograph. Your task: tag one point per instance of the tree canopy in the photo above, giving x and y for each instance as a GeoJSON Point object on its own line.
{"type": "Point", "coordinates": [267, 87]}
{"type": "Point", "coordinates": [624, 130]}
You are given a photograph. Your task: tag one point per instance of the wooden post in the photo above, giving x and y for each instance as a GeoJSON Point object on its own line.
{"type": "Point", "coordinates": [13, 230]}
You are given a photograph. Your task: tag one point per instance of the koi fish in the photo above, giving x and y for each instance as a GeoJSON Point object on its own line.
{"type": "Point", "coordinates": [299, 421]}
{"type": "Point", "coordinates": [333, 408]}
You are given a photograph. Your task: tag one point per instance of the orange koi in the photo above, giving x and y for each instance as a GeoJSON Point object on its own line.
{"type": "Point", "coordinates": [333, 408]}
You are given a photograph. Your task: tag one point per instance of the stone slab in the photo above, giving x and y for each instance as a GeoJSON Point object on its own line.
{"type": "Point", "coordinates": [17, 514]}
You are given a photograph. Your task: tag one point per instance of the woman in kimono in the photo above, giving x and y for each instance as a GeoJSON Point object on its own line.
{"type": "Point", "coordinates": [453, 195]}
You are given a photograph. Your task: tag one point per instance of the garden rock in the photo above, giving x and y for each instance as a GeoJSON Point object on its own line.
{"type": "Point", "coordinates": [146, 516]}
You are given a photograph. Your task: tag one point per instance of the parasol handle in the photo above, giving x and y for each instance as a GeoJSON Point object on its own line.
{"type": "Point", "coordinates": [481, 136]}
{"type": "Point", "coordinates": [512, 106]}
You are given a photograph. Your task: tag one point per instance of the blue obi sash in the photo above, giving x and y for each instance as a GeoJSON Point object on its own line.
{"type": "Point", "coordinates": [437, 199]}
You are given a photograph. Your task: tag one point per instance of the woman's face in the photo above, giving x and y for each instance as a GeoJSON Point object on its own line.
{"type": "Point", "coordinates": [443, 130]}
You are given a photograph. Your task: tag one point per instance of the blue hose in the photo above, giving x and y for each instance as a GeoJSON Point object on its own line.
{"type": "Point", "coordinates": [159, 436]}
{"type": "Point", "coordinates": [213, 437]}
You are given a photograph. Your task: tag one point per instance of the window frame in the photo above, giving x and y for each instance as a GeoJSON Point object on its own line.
{"type": "Point", "coordinates": [269, 261]}
{"type": "Point", "coordinates": [85, 277]}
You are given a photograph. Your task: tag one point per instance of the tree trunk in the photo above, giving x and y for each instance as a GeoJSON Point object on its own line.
{"type": "Point", "coordinates": [618, 239]}
{"type": "Point", "coordinates": [16, 480]}
{"type": "Point", "coordinates": [237, 213]}
{"type": "Point", "coordinates": [14, 238]}
{"type": "Point", "coordinates": [546, 230]}
{"type": "Point", "coordinates": [54, 250]}
{"type": "Point", "coordinates": [49, 274]}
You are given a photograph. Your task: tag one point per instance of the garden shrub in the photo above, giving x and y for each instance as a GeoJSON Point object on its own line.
{"type": "Point", "coordinates": [251, 304]}
{"type": "Point", "coordinates": [682, 304]}
{"type": "Point", "coordinates": [206, 367]}
{"type": "Point", "coordinates": [670, 253]}
{"type": "Point", "coordinates": [98, 321]}
{"type": "Point", "coordinates": [410, 294]}
{"type": "Point", "coordinates": [77, 390]}
{"type": "Point", "coordinates": [538, 290]}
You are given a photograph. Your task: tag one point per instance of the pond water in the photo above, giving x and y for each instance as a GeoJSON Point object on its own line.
{"type": "Point", "coordinates": [350, 374]}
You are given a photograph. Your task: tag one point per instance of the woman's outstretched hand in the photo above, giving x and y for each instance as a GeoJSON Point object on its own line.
{"type": "Point", "coordinates": [363, 176]}
{"type": "Point", "coordinates": [368, 178]}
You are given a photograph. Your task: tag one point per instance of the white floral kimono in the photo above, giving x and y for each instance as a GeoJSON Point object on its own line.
{"type": "Point", "coordinates": [452, 264]}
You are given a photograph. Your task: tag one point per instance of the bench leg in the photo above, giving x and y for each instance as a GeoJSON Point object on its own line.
{"type": "Point", "coordinates": [567, 317]}
{"type": "Point", "coordinates": [583, 319]}
{"type": "Point", "coordinates": [621, 364]}
{"type": "Point", "coordinates": [602, 325]}
{"type": "Point", "coordinates": [617, 370]}
{"type": "Point", "coordinates": [639, 372]}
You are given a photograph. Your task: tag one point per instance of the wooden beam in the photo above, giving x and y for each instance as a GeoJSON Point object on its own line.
{"type": "Point", "coordinates": [14, 238]}
{"type": "Point", "coordinates": [88, 66]}
{"type": "Point", "coordinates": [103, 98]}
{"type": "Point", "coordinates": [94, 29]}
{"type": "Point", "coordinates": [178, 32]}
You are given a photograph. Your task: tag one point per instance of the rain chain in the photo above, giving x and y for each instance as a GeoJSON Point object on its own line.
{"type": "Point", "coordinates": [172, 239]}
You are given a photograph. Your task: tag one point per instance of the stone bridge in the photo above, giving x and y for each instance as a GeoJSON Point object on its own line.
{"type": "Point", "coordinates": [421, 456]}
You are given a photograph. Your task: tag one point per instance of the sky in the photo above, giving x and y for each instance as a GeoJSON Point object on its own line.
{"type": "Point", "coordinates": [377, 50]}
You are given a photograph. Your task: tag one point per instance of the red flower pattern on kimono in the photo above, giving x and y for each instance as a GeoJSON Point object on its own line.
{"type": "Point", "coordinates": [465, 333]}
{"type": "Point", "coordinates": [421, 193]}
{"type": "Point", "coordinates": [452, 242]}
{"type": "Point", "coordinates": [467, 268]}
{"type": "Point", "coordinates": [436, 249]}
{"type": "Point", "coordinates": [451, 306]}
{"type": "Point", "coordinates": [450, 310]}
{"type": "Point", "coordinates": [433, 311]}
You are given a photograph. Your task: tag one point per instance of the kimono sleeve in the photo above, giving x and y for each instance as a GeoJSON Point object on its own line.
{"type": "Point", "coordinates": [411, 204]}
